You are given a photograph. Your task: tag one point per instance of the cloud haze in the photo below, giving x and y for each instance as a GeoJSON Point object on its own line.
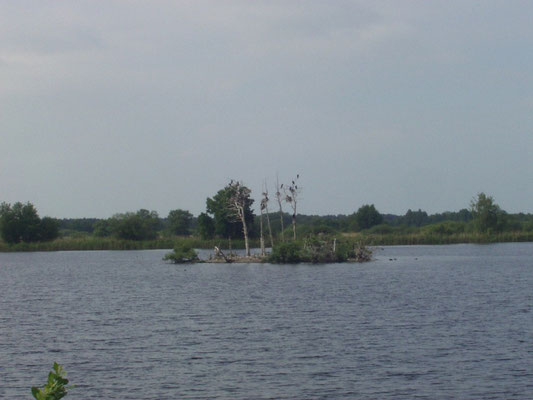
{"type": "Point", "coordinates": [113, 106]}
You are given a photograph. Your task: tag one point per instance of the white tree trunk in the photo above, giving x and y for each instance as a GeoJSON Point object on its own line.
{"type": "Point", "coordinates": [245, 232]}
{"type": "Point", "coordinates": [269, 230]}
{"type": "Point", "coordinates": [281, 221]}
{"type": "Point", "coordinates": [294, 217]}
{"type": "Point", "coordinates": [278, 196]}
{"type": "Point", "coordinates": [262, 238]}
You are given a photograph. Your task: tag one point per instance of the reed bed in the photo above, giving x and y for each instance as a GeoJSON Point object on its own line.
{"type": "Point", "coordinates": [92, 243]}
{"type": "Point", "coordinates": [393, 239]}
{"type": "Point", "coordinates": [373, 239]}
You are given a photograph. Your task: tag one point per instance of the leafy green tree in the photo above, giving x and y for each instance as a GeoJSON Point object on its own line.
{"type": "Point", "coordinates": [367, 216]}
{"type": "Point", "coordinates": [464, 215]}
{"type": "Point", "coordinates": [225, 222]}
{"type": "Point", "coordinates": [179, 222]}
{"type": "Point", "coordinates": [415, 218]}
{"type": "Point", "coordinates": [488, 216]}
{"type": "Point", "coordinates": [21, 223]}
{"type": "Point", "coordinates": [205, 226]}
{"type": "Point", "coordinates": [142, 225]}
{"type": "Point", "coordinates": [103, 228]}
{"type": "Point", "coordinates": [49, 229]}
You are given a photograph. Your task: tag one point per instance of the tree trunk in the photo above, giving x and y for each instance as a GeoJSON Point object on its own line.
{"type": "Point", "coordinates": [278, 196]}
{"type": "Point", "coordinates": [245, 232]}
{"type": "Point", "coordinates": [219, 252]}
{"type": "Point", "coordinates": [281, 221]}
{"type": "Point", "coordinates": [294, 226]}
{"type": "Point", "coordinates": [262, 238]}
{"type": "Point", "coordinates": [270, 230]}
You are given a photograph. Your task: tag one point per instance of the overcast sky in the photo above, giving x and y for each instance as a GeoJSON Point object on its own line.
{"type": "Point", "coordinates": [112, 106]}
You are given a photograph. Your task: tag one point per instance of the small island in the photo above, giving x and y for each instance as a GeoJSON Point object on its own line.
{"type": "Point", "coordinates": [314, 249]}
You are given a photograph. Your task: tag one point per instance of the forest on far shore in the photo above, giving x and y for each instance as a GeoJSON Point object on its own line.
{"type": "Point", "coordinates": [182, 223]}
{"type": "Point", "coordinates": [227, 219]}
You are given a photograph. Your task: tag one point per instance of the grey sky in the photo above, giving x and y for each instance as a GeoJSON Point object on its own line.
{"type": "Point", "coordinates": [111, 106]}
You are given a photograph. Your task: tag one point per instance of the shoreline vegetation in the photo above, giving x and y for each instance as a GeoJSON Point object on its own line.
{"type": "Point", "coordinates": [230, 223]}
{"type": "Point", "coordinates": [392, 239]}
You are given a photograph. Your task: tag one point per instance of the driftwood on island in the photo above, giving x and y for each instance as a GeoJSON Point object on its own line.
{"type": "Point", "coordinates": [219, 254]}
{"type": "Point", "coordinates": [220, 257]}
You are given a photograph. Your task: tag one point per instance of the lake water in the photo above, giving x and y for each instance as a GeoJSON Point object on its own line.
{"type": "Point", "coordinates": [425, 322]}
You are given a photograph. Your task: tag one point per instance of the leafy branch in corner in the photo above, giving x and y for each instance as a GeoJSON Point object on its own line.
{"type": "Point", "coordinates": [55, 388]}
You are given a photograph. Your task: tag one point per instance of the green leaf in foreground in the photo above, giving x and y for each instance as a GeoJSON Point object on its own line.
{"type": "Point", "coordinates": [55, 388]}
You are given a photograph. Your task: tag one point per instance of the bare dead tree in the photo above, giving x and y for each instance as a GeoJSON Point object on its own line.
{"type": "Point", "coordinates": [237, 201]}
{"type": "Point", "coordinates": [291, 197]}
{"type": "Point", "coordinates": [261, 236]}
{"type": "Point", "coordinates": [279, 198]}
{"type": "Point", "coordinates": [264, 203]}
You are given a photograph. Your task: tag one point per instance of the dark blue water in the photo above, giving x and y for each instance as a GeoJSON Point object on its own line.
{"type": "Point", "coordinates": [426, 322]}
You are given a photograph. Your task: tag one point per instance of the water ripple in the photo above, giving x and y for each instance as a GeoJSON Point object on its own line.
{"type": "Point", "coordinates": [441, 322]}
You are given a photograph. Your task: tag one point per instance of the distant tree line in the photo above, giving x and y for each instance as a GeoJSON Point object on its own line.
{"type": "Point", "coordinates": [77, 224]}
{"type": "Point", "coordinates": [421, 218]}
{"type": "Point", "coordinates": [20, 222]}
{"type": "Point", "coordinates": [144, 225]}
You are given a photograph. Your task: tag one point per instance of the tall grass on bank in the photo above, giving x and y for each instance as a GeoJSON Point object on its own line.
{"type": "Point", "coordinates": [390, 239]}
{"type": "Point", "coordinates": [368, 239]}
{"type": "Point", "coordinates": [93, 243]}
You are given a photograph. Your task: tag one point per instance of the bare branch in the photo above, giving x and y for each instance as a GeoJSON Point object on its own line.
{"type": "Point", "coordinates": [291, 197]}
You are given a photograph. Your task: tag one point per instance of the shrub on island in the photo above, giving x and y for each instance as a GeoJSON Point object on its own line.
{"type": "Point", "coordinates": [183, 253]}
{"type": "Point", "coordinates": [286, 253]}
{"type": "Point", "coordinates": [319, 249]}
